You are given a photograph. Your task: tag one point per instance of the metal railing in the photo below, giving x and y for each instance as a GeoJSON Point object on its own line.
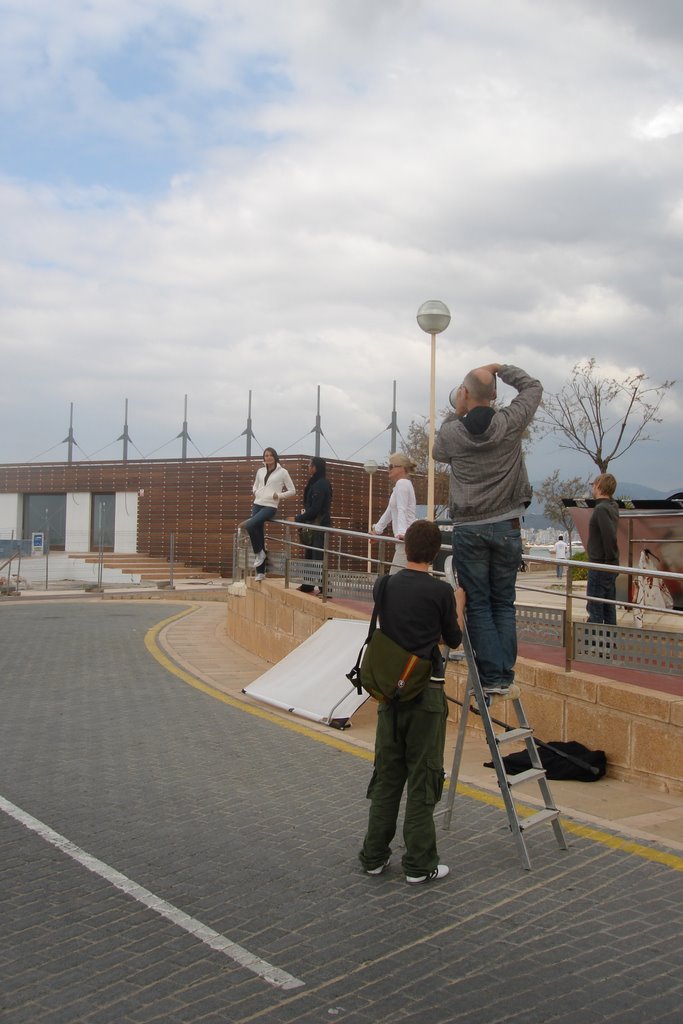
{"type": "Point", "coordinates": [343, 574]}
{"type": "Point", "coordinates": [628, 646]}
{"type": "Point", "coordinates": [338, 573]}
{"type": "Point", "coordinates": [6, 584]}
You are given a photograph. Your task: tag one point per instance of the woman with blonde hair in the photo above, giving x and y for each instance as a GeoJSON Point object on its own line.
{"type": "Point", "coordinates": [400, 512]}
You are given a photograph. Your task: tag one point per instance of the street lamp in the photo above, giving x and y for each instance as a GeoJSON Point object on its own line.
{"type": "Point", "coordinates": [370, 468]}
{"type": "Point", "coordinates": [433, 317]}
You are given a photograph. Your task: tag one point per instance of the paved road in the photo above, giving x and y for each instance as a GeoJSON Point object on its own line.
{"type": "Point", "coordinates": [168, 857]}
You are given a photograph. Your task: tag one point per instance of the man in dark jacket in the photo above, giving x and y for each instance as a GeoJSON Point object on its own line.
{"type": "Point", "coordinates": [489, 493]}
{"type": "Point", "coordinates": [602, 547]}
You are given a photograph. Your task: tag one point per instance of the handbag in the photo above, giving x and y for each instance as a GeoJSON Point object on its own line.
{"type": "Point", "coordinates": [306, 536]}
{"type": "Point", "coordinates": [386, 670]}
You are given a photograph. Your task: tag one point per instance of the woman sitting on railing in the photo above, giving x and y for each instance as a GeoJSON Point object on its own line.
{"type": "Point", "coordinates": [272, 484]}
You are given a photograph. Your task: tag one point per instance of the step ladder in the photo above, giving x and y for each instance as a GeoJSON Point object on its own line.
{"type": "Point", "coordinates": [519, 824]}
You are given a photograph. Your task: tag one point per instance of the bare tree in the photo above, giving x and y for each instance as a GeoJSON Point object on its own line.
{"type": "Point", "coordinates": [603, 417]}
{"type": "Point", "coordinates": [550, 495]}
{"type": "Point", "coordinates": [416, 445]}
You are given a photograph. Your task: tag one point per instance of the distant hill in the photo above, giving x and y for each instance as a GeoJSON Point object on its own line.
{"type": "Point", "coordinates": [640, 491]}
{"type": "Point", "coordinates": [535, 520]}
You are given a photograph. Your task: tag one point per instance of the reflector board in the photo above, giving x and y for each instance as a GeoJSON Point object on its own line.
{"type": "Point", "coordinates": [311, 681]}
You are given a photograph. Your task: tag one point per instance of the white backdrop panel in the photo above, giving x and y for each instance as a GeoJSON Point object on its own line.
{"type": "Point", "coordinates": [311, 681]}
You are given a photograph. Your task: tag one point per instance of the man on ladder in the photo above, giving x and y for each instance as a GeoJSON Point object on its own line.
{"type": "Point", "coordinates": [489, 493]}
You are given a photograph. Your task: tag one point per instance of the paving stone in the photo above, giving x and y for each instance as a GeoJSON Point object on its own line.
{"type": "Point", "coordinates": [253, 830]}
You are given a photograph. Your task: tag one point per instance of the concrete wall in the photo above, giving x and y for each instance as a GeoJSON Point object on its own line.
{"type": "Point", "coordinates": [640, 730]}
{"type": "Point", "coordinates": [10, 516]}
{"type": "Point", "coordinates": [271, 621]}
{"type": "Point", "coordinates": [77, 529]}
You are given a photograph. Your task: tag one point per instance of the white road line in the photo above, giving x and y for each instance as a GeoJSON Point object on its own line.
{"type": "Point", "coordinates": [213, 939]}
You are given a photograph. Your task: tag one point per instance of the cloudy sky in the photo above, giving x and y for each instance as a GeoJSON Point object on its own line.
{"type": "Point", "coordinates": [203, 197]}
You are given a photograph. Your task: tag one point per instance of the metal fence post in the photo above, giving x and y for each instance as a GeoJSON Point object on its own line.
{"type": "Point", "coordinates": [171, 546]}
{"type": "Point", "coordinates": [568, 622]}
{"type": "Point", "coordinates": [46, 544]}
{"type": "Point", "coordinates": [381, 568]}
{"type": "Point", "coordinates": [325, 565]}
{"type": "Point", "coordinates": [288, 553]}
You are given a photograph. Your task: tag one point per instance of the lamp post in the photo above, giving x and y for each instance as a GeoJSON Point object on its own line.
{"type": "Point", "coordinates": [433, 317]}
{"type": "Point", "coordinates": [370, 468]}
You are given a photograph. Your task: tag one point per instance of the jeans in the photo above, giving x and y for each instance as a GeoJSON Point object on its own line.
{"type": "Point", "coordinates": [601, 584]}
{"type": "Point", "coordinates": [487, 559]}
{"type": "Point", "coordinates": [399, 561]}
{"type": "Point", "coordinates": [314, 553]}
{"type": "Point", "coordinates": [260, 514]}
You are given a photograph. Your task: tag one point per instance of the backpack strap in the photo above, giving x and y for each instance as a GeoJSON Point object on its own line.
{"type": "Point", "coordinates": [354, 674]}
{"type": "Point", "coordinates": [577, 761]}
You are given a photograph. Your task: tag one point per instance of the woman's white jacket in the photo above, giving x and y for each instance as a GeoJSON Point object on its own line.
{"type": "Point", "coordinates": [279, 486]}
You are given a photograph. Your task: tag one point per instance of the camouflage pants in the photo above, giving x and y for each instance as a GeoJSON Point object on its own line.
{"type": "Point", "coordinates": [414, 757]}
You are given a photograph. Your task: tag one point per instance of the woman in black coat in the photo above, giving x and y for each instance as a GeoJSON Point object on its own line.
{"type": "Point", "coordinates": [316, 510]}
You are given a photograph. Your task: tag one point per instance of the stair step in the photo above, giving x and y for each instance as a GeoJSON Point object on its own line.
{"type": "Point", "coordinates": [512, 735]}
{"type": "Point", "coordinates": [149, 568]}
{"type": "Point", "coordinates": [530, 775]}
{"type": "Point", "coordinates": [549, 814]}
{"type": "Point", "coordinates": [161, 574]}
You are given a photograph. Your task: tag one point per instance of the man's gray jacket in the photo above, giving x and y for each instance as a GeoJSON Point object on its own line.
{"type": "Point", "coordinates": [488, 475]}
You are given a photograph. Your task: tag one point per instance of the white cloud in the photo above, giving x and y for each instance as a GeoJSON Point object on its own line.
{"type": "Point", "coordinates": [666, 122]}
{"type": "Point", "coordinates": [320, 171]}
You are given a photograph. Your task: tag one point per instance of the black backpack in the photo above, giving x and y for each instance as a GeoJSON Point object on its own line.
{"type": "Point", "coordinates": [570, 760]}
{"type": "Point", "coordinates": [386, 670]}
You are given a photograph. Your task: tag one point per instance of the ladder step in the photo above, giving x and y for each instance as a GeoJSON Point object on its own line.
{"type": "Point", "coordinates": [549, 814]}
{"type": "Point", "coordinates": [512, 735]}
{"type": "Point", "coordinates": [528, 776]}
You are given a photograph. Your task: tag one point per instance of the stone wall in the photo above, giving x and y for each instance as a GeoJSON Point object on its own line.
{"type": "Point", "coordinates": [271, 621]}
{"type": "Point", "coordinates": [640, 730]}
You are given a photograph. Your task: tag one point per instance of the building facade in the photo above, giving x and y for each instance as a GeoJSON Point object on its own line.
{"type": "Point", "coordinates": [136, 507]}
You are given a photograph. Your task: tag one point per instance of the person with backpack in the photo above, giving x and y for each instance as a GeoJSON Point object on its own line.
{"type": "Point", "coordinates": [416, 612]}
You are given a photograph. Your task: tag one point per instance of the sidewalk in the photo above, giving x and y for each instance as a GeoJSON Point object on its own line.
{"type": "Point", "coordinates": [198, 643]}
{"type": "Point", "coordinates": [172, 854]}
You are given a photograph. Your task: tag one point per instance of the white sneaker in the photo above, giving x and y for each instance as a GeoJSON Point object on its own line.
{"type": "Point", "coordinates": [259, 559]}
{"type": "Point", "coordinates": [379, 870]}
{"type": "Point", "coordinates": [259, 577]}
{"type": "Point", "coordinates": [440, 871]}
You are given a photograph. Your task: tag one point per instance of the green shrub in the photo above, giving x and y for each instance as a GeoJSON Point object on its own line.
{"type": "Point", "coordinates": [580, 574]}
